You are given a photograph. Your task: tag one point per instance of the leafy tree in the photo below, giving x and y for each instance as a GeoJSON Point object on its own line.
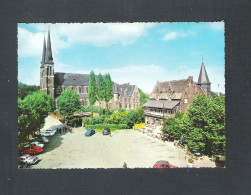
{"type": "Point", "coordinates": [203, 126]}
{"type": "Point", "coordinates": [32, 111]}
{"type": "Point", "coordinates": [101, 89]}
{"type": "Point", "coordinates": [108, 89]}
{"type": "Point", "coordinates": [207, 117]}
{"type": "Point", "coordinates": [68, 102]}
{"type": "Point", "coordinates": [176, 126]}
{"type": "Point", "coordinates": [92, 91]}
{"type": "Point", "coordinates": [143, 97]}
{"type": "Point", "coordinates": [133, 117]}
{"type": "Point", "coordinates": [24, 90]}
{"type": "Point", "coordinates": [118, 117]}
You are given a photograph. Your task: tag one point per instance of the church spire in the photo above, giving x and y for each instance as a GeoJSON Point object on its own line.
{"type": "Point", "coordinates": [203, 78]}
{"type": "Point", "coordinates": [48, 54]}
{"type": "Point", "coordinates": [43, 54]}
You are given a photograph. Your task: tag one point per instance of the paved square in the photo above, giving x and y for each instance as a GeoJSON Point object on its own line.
{"type": "Point", "coordinates": [75, 150]}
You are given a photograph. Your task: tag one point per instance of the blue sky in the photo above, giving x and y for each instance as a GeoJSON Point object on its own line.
{"type": "Point", "coordinates": [138, 53]}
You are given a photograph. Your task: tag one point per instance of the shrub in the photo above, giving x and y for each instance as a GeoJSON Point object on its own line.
{"type": "Point", "coordinates": [190, 160]}
{"type": "Point", "coordinates": [112, 127]}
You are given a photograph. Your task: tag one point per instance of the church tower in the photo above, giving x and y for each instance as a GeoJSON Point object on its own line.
{"type": "Point", "coordinates": [47, 69]}
{"type": "Point", "coordinates": [203, 80]}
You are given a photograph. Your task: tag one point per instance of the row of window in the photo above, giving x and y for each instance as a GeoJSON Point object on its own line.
{"type": "Point", "coordinates": [83, 89]}
{"type": "Point", "coordinates": [129, 106]}
{"type": "Point", "coordinates": [160, 111]}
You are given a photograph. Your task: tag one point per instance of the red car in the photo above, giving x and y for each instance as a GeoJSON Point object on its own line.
{"type": "Point", "coordinates": [163, 164]}
{"type": "Point", "coordinates": [31, 149]}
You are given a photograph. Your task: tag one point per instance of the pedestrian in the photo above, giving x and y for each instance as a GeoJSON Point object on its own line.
{"type": "Point", "coordinates": [110, 133]}
{"type": "Point", "coordinates": [124, 165]}
{"type": "Point", "coordinates": [57, 130]}
{"type": "Point", "coordinates": [60, 130]}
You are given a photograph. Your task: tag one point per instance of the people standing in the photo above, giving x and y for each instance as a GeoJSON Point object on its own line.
{"type": "Point", "coordinates": [124, 165]}
{"type": "Point", "coordinates": [110, 133]}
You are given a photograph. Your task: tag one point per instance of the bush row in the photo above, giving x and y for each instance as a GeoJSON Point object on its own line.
{"type": "Point", "coordinates": [112, 127]}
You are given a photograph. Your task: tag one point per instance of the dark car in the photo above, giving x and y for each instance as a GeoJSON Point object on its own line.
{"type": "Point", "coordinates": [90, 132]}
{"type": "Point", "coordinates": [163, 164]}
{"type": "Point", "coordinates": [106, 132]}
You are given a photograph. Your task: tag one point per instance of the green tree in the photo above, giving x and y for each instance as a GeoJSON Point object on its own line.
{"type": "Point", "coordinates": [143, 97]}
{"type": "Point", "coordinates": [24, 90]}
{"type": "Point", "coordinates": [101, 89]}
{"type": "Point", "coordinates": [108, 89]}
{"type": "Point", "coordinates": [207, 117]}
{"type": "Point", "coordinates": [68, 102]}
{"type": "Point", "coordinates": [92, 91]}
{"type": "Point", "coordinates": [176, 126]}
{"type": "Point", "coordinates": [32, 111]}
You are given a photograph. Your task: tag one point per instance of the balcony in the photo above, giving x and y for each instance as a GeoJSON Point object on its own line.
{"type": "Point", "coordinates": [158, 114]}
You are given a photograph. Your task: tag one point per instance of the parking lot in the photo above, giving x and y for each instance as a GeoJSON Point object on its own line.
{"type": "Point", "coordinates": [75, 150]}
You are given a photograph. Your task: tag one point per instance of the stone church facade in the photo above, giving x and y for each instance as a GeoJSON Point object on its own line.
{"type": "Point", "coordinates": [125, 96]}
{"type": "Point", "coordinates": [171, 96]}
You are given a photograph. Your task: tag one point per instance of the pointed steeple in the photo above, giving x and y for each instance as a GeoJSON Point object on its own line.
{"type": "Point", "coordinates": [203, 78]}
{"type": "Point", "coordinates": [43, 54]}
{"type": "Point", "coordinates": [48, 54]}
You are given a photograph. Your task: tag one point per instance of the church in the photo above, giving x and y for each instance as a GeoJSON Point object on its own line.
{"type": "Point", "coordinates": [125, 96]}
{"type": "Point", "coordinates": [171, 96]}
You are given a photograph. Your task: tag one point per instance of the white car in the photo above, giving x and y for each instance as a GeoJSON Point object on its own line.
{"type": "Point", "coordinates": [37, 144]}
{"type": "Point", "coordinates": [28, 159]}
{"type": "Point", "coordinates": [48, 132]}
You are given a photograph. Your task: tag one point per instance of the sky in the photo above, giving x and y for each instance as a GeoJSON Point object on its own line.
{"type": "Point", "coordinates": [137, 53]}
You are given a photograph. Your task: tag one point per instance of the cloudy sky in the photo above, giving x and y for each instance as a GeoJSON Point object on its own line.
{"type": "Point", "coordinates": [139, 53]}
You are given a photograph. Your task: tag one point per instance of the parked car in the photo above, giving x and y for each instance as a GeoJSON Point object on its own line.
{"type": "Point", "coordinates": [106, 132]}
{"type": "Point", "coordinates": [163, 164]}
{"type": "Point", "coordinates": [43, 140]}
{"type": "Point", "coordinates": [28, 159]}
{"type": "Point", "coordinates": [48, 132]}
{"type": "Point", "coordinates": [36, 143]}
{"type": "Point", "coordinates": [90, 132]}
{"type": "Point", "coordinates": [28, 149]}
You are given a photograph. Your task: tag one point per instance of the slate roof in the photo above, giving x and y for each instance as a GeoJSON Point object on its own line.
{"type": "Point", "coordinates": [162, 89]}
{"type": "Point", "coordinates": [72, 79]}
{"type": "Point", "coordinates": [43, 54]}
{"type": "Point", "coordinates": [177, 85]}
{"type": "Point", "coordinates": [121, 89]}
{"type": "Point", "coordinates": [48, 53]}
{"type": "Point", "coordinates": [168, 104]}
{"type": "Point", "coordinates": [203, 78]}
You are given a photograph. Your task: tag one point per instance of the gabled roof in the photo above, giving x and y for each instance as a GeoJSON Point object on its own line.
{"type": "Point", "coordinates": [168, 104]}
{"type": "Point", "coordinates": [203, 78]}
{"type": "Point", "coordinates": [175, 87]}
{"type": "Point", "coordinates": [72, 79]}
{"type": "Point", "coordinates": [123, 88]}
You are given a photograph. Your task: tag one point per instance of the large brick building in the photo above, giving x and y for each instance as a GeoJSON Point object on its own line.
{"type": "Point", "coordinates": [54, 83]}
{"type": "Point", "coordinates": [171, 96]}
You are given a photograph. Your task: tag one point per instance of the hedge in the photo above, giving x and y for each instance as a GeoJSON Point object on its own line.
{"type": "Point", "coordinates": [106, 126]}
